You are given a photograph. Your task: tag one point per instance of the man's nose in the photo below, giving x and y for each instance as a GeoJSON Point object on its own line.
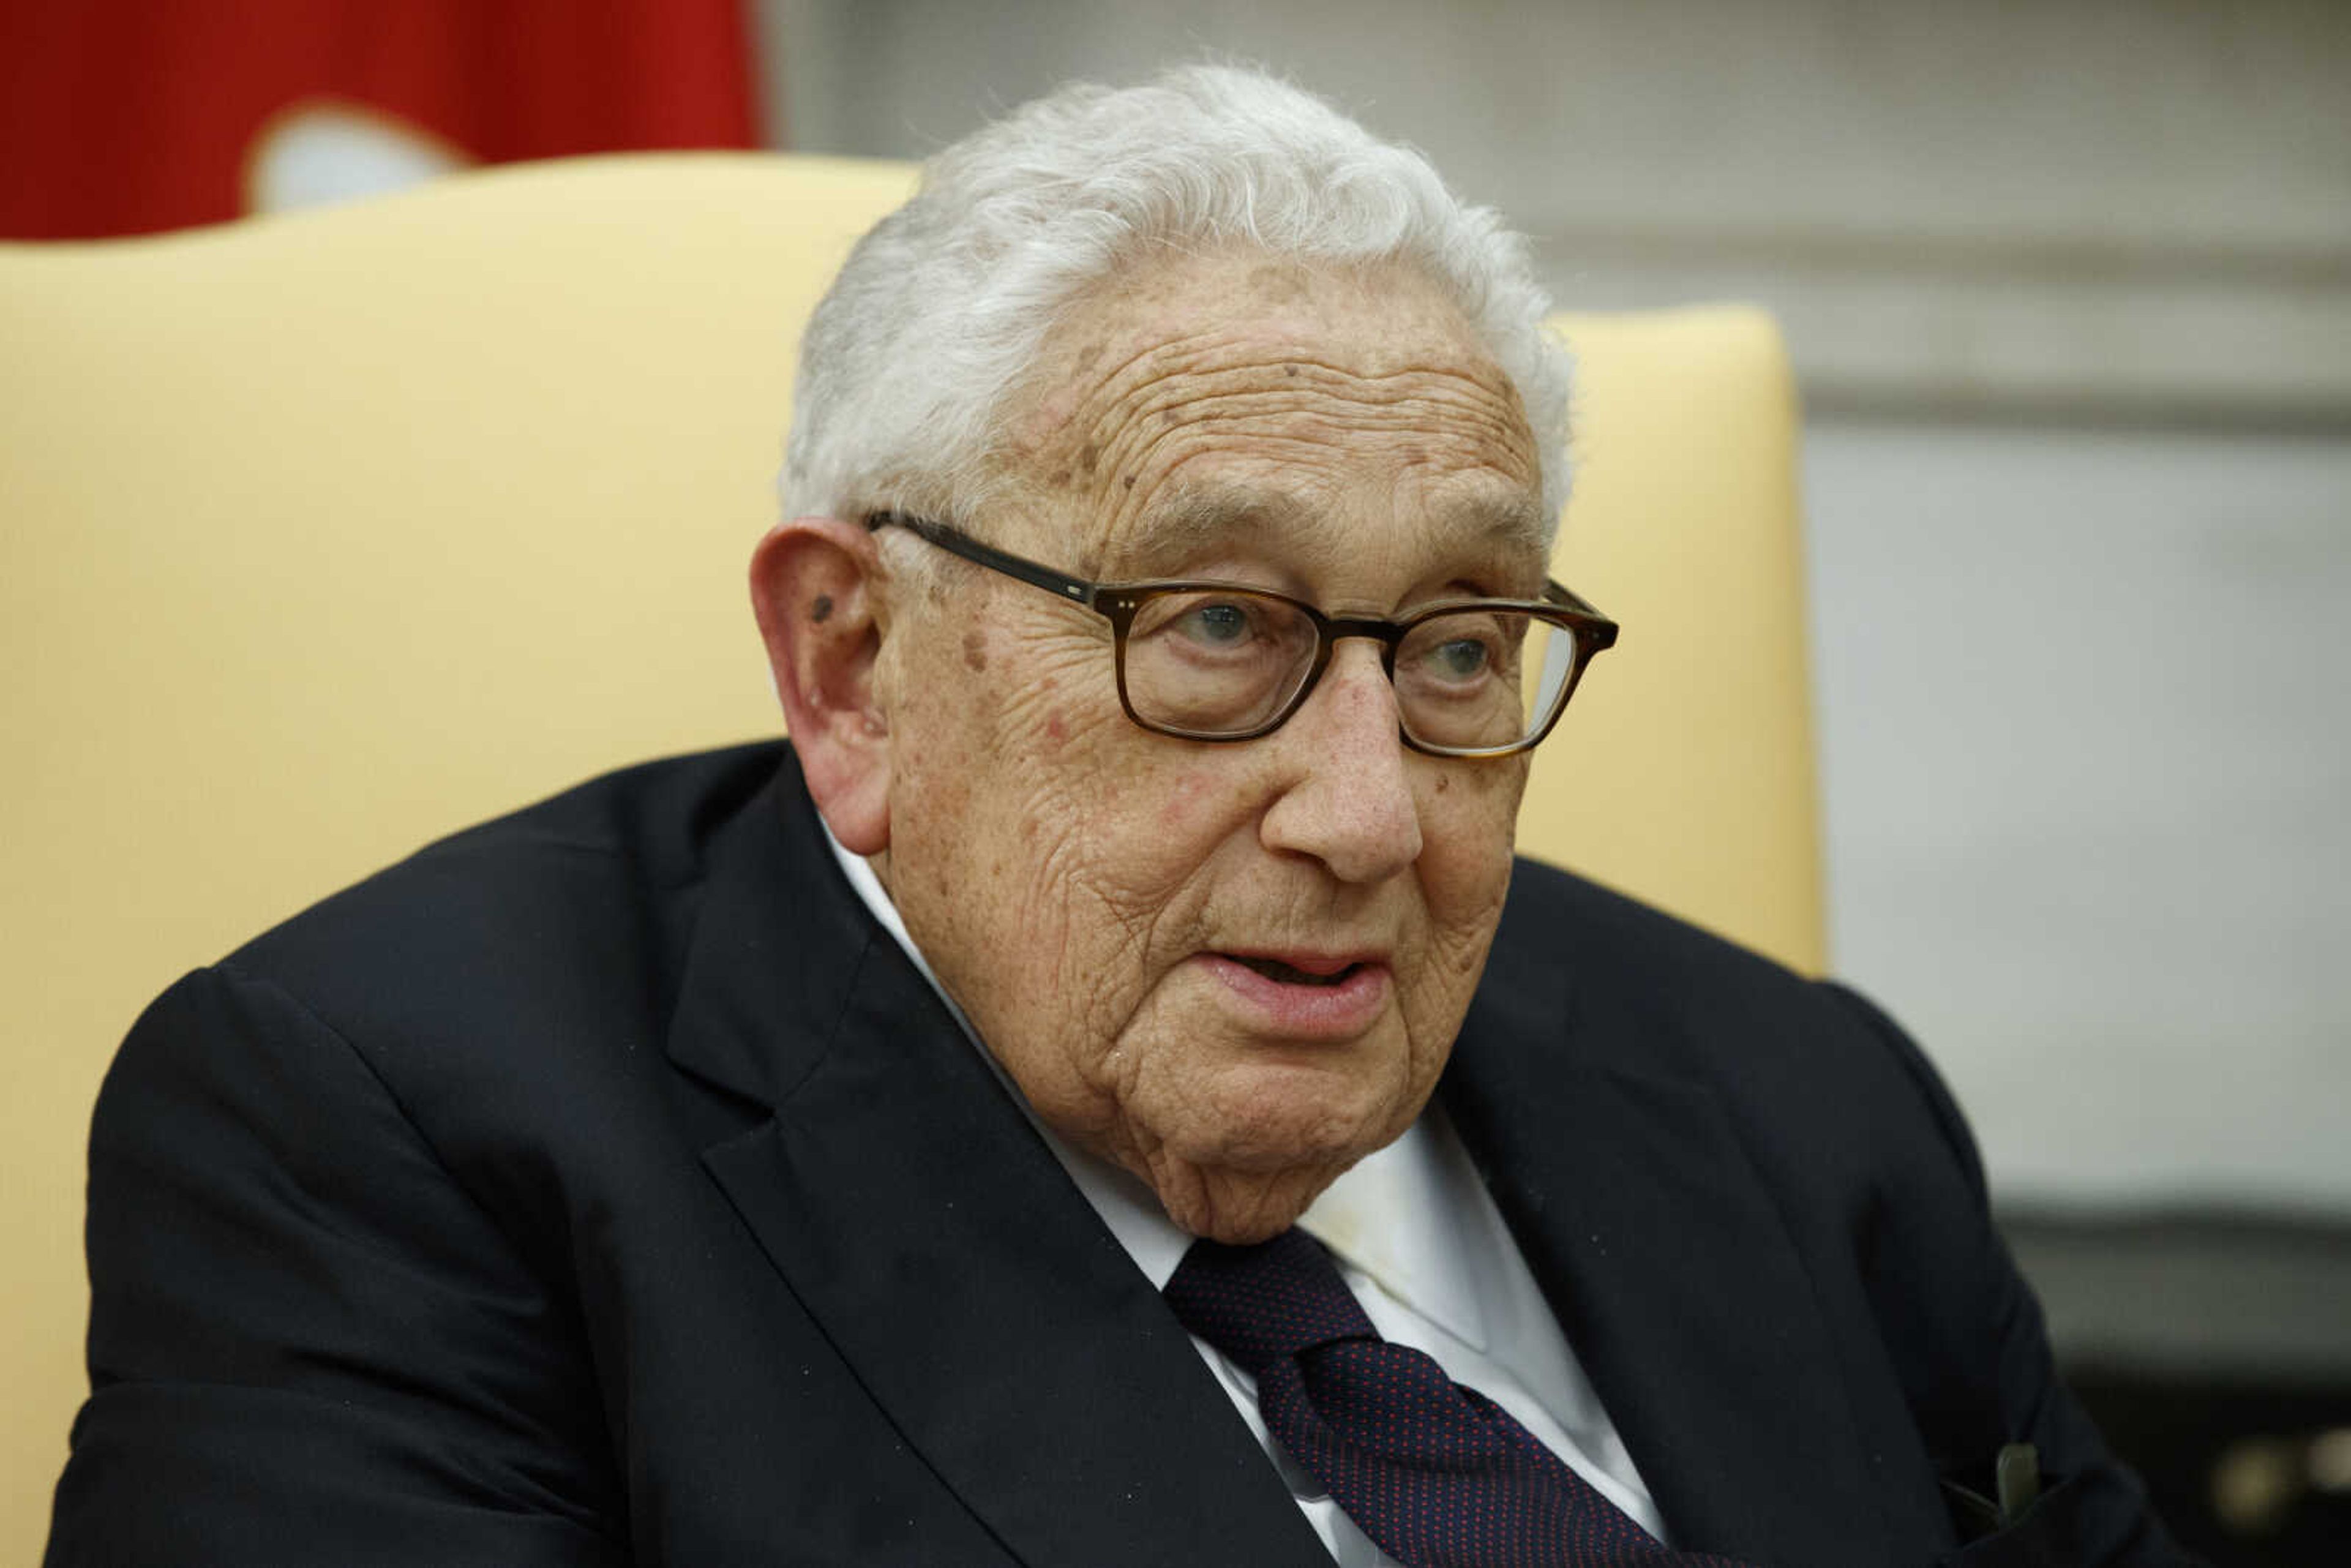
{"type": "Point", "coordinates": [1347, 797]}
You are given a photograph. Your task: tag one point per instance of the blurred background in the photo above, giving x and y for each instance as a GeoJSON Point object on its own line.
{"type": "Point", "coordinates": [2068, 288]}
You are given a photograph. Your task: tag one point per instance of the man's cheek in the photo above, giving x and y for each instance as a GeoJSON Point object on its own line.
{"type": "Point", "coordinates": [1466, 869]}
{"type": "Point", "coordinates": [1082, 896]}
{"type": "Point", "coordinates": [1196, 797]}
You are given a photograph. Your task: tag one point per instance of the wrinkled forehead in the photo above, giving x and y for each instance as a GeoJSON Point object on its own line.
{"type": "Point", "coordinates": [1188, 522]}
{"type": "Point", "coordinates": [1201, 400]}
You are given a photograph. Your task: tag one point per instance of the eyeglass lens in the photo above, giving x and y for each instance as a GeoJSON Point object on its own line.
{"type": "Point", "coordinates": [1224, 662]}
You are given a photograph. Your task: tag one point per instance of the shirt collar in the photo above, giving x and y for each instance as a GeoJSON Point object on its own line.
{"type": "Point", "coordinates": [1386, 1215]}
{"type": "Point", "coordinates": [1400, 1215]}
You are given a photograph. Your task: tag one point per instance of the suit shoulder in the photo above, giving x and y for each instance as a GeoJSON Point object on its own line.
{"type": "Point", "coordinates": [1556, 921]}
{"type": "Point", "coordinates": [555, 930]}
{"type": "Point", "coordinates": [1625, 986]}
{"type": "Point", "coordinates": [557, 871]}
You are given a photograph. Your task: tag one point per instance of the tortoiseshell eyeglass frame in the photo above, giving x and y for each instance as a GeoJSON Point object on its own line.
{"type": "Point", "coordinates": [1590, 631]}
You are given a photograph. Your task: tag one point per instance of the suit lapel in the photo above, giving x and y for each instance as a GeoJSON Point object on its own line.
{"type": "Point", "coordinates": [1674, 1277]}
{"type": "Point", "coordinates": [941, 1248]}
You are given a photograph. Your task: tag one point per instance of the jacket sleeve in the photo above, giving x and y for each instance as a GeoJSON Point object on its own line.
{"type": "Point", "coordinates": [1955, 1308]}
{"type": "Point", "coordinates": [307, 1343]}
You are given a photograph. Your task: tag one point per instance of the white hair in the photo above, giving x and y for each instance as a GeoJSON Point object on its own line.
{"type": "Point", "coordinates": [942, 309]}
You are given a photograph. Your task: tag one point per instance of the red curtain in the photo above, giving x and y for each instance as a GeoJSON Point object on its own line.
{"type": "Point", "coordinates": [126, 116]}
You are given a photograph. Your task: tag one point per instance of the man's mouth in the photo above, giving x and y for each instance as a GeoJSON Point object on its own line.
{"type": "Point", "coordinates": [1291, 974]}
{"type": "Point", "coordinates": [1305, 996]}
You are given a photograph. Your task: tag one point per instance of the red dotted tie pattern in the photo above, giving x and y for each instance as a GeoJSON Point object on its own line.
{"type": "Point", "coordinates": [1438, 1474]}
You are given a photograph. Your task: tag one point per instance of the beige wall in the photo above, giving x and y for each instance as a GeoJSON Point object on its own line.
{"type": "Point", "coordinates": [2110, 205]}
{"type": "Point", "coordinates": [2085, 723]}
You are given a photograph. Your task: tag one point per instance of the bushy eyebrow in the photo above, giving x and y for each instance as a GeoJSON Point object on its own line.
{"type": "Point", "coordinates": [1191, 521]}
{"type": "Point", "coordinates": [1185, 522]}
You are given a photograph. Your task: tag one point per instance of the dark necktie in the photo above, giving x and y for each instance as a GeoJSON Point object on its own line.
{"type": "Point", "coordinates": [1438, 1474]}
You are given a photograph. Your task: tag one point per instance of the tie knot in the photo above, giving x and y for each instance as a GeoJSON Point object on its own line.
{"type": "Point", "coordinates": [1257, 1304]}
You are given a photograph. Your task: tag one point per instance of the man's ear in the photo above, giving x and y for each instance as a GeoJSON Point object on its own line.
{"type": "Point", "coordinates": [816, 587]}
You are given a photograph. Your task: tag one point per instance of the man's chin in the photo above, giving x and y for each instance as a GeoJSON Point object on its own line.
{"type": "Point", "coordinates": [1270, 1111]}
{"type": "Point", "coordinates": [1241, 1208]}
{"type": "Point", "coordinates": [1254, 1180]}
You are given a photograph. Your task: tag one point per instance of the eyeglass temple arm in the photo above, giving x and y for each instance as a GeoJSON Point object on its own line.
{"type": "Point", "coordinates": [1074, 589]}
{"type": "Point", "coordinates": [1602, 632]}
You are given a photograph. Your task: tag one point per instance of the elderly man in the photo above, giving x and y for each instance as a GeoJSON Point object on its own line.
{"type": "Point", "coordinates": [1105, 1095]}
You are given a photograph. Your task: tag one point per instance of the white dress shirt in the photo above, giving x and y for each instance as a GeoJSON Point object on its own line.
{"type": "Point", "coordinates": [1418, 1240]}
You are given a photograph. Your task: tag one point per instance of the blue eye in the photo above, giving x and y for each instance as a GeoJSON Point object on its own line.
{"type": "Point", "coordinates": [1217, 622]}
{"type": "Point", "coordinates": [1460, 658]}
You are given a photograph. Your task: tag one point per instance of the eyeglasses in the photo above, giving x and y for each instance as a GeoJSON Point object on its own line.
{"type": "Point", "coordinates": [1215, 661]}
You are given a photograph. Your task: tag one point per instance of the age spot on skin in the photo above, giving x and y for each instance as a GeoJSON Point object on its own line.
{"type": "Point", "coordinates": [975, 649]}
{"type": "Point", "coordinates": [821, 611]}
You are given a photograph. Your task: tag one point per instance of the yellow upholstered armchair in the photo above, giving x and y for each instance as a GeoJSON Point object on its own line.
{"type": "Point", "coordinates": [322, 536]}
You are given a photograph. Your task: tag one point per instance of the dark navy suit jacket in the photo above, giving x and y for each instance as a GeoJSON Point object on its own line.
{"type": "Point", "coordinates": [603, 1185]}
